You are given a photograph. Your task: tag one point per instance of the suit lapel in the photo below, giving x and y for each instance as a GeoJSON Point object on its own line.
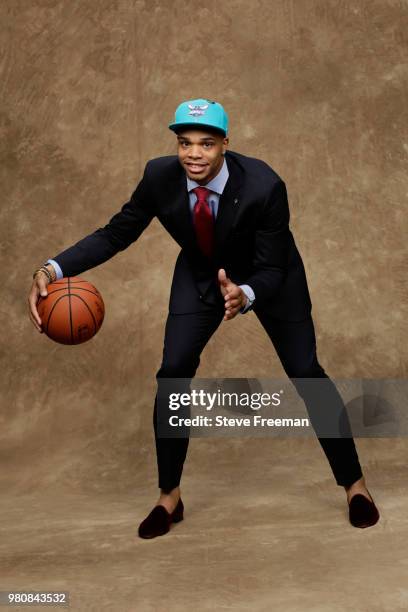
{"type": "Point", "coordinates": [180, 211]}
{"type": "Point", "coordinates": [229, 204]}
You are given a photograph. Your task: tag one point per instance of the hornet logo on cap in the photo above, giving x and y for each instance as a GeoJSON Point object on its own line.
{"type": "Point", "coordinates": [197, 110]}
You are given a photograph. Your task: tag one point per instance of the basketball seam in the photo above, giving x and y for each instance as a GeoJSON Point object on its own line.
{"type": "Point", "coordinates": [62, 282]}
{"type": "Point", "coordinates": [70, 313]}
{"type": "Point", "coordinates": [73, 287]}
{"type": "Point", "coordinates": [90, 311]}
{"type": "Point", "coordinates": [52, 309]}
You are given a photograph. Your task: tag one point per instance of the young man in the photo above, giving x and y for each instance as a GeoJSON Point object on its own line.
{"type": "Point", "coordinates": [229, 214]}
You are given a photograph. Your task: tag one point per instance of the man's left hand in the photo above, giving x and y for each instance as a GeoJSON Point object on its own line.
{"type": "Point", "coordinates": [234, 297]}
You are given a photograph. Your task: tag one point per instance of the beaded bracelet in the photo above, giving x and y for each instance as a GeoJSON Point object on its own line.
{"type": "Point", "coordinates": [46, 272]}
{"type": "Point", "coordinates": [52, 272]}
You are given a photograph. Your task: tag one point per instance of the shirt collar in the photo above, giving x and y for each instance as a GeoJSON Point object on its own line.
{"type": "Point", "coordinates": [216, 184]}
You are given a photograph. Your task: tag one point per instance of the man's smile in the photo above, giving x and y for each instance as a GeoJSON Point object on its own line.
{"type": "Point", "coordinates": [193, 167]}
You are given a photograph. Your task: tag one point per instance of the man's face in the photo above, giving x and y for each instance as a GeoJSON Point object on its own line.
{"type": "Point", "coordinates": [201, 153]}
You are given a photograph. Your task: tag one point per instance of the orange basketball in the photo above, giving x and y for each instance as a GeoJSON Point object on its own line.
{"type": "Point", "coordinates": [72, 312]}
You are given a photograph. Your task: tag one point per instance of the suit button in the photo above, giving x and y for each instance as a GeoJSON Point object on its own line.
{"type": "Point", "coordinates": [201, 297]}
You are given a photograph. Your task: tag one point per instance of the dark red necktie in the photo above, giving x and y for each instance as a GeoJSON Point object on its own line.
{"type": "Point", "coordinates": [203, 221]}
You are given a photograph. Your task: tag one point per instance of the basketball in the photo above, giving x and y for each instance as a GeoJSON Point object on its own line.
{"type": "Point", "coordinates": [72, 312]}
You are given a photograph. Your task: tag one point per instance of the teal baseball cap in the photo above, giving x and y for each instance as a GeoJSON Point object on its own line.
{"type": "Point", "coordinates": [200, 113]}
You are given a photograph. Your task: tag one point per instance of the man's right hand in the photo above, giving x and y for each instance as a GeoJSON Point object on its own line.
{"type": "Point", "coordinates": [39, 287]}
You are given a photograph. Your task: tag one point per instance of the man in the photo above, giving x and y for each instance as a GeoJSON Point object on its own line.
{"type": "Point", "coordinates": [229, 214]}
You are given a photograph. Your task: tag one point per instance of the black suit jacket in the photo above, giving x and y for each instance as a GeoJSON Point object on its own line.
{"type": "Point", "coordinates": [253, 241]}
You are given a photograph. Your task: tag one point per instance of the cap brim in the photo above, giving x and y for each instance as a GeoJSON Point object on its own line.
{"type": "Point", "coordinates": [176, 127]}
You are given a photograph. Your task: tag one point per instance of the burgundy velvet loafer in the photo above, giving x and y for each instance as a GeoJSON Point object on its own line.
{"type": "Point", "coordinates": [362, 511]}
{"type": "Point", "coordinates": [158, 522]}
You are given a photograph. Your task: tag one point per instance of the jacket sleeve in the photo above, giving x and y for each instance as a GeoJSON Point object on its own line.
{"type": "Point", "coordinates": [122, 229]}
{"type": "Point", "coordinates": [271, 248]}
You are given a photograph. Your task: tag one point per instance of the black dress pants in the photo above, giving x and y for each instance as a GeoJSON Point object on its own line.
{"type": "Point", "coordinates": [185, 338]}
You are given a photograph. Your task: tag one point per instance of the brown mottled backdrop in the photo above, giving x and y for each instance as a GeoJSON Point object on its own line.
{"type": "Point", "coordinates": [316, 88]}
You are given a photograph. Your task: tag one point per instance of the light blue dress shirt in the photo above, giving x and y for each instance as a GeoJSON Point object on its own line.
{"type": "Point", "coordinates": [216, 186]}
{"type": "Point", "coordinates": [57, 268]}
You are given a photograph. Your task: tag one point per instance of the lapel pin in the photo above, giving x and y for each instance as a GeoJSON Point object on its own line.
{"type": "Point", "coordinates": [236, 201]}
